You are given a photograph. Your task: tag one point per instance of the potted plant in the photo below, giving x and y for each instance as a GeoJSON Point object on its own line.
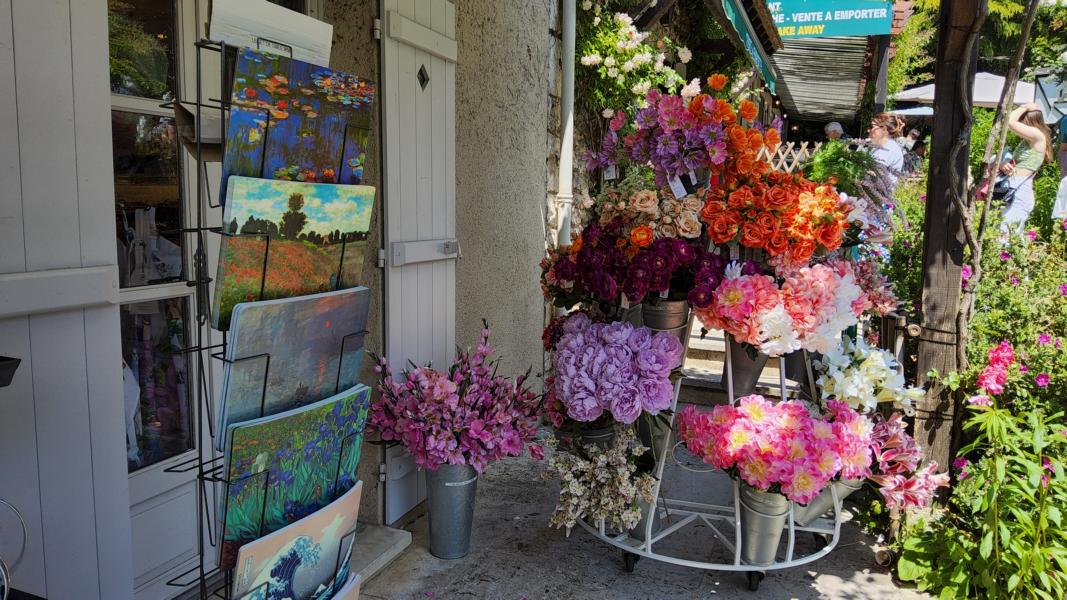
{"type": "Point", "coordinates": [455, 423]}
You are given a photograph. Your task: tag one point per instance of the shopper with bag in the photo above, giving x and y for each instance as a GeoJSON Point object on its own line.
{"type": "Point", "coordinates": [1035, 148]}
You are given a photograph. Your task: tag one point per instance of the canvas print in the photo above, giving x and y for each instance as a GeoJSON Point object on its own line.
{"type": "Point", "coordinates": [296, 121]}
{"type": "Point", "coordinates": [351, 589]}
{"type": "Point", "coordinates": [318, 236]}
{"type": "Point", "coordinates": [307, 560]}
{"type": "Point", "coordinates": [285, 467]}
{"type": "Point", "coordinates": [287, 353]}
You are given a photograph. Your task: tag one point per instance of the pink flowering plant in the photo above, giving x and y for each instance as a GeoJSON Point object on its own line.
{"type": "Point", "coordinates": [467, 415]}
{"type": "Point", "coordinates": [611, 371]}
{"type": "Point", "coordinates": [780, 447]}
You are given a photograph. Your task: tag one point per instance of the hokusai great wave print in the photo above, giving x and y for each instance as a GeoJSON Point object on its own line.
{"type": "Point", "coordinates": [318, 237]}
{"type": "Point", "coordinates": [282, 468]}
{"type": "Point", "coordinates": [291, 352]}
{"type": "Point", "coordinates": [292, 120]}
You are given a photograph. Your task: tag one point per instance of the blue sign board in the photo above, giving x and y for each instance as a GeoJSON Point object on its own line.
{"type": "Point", "coordinates": [826, 18]}
{"type": "Point", "coordinates": [743, 27]}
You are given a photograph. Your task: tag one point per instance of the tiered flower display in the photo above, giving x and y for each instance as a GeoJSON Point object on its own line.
{"type": "Point", "coordinates": [864, 377]}
{"type": "Point", "coordinates": [466, 415]}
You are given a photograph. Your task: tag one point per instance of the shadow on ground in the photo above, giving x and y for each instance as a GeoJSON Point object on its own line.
{"type": "Point", "coordinates": [515, 555]}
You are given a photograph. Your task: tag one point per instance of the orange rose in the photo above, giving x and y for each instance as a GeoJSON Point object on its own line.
{"type": "Point", "coordinates": [641, 236]}
{"type": "Point", "coordinates": [777, 198]}
{"type": "Point", "coordinates": [803, 250]}
{"type": "Point", "coordinates": [777, 243]}
{"type": "Point", "coordinates": [829, 235]}
{"type": "Point", "coordinates": [767, 223]}
{"type": "Point", "coordinates": [751, 235]}
{"type": "Point", "coordinates": [748, 110]}
{"type": "Point", "coordinates": [723, 227]}
{"type": "Point", "coordinates": [711, 208]}
{"type": "Point", "coordinates": [717, 81]}
{"type": "Point", "coordinates": [755, 139]}
{"type": "Point", "coordinates": [771, 138]}
{"type": "Point", "coordinates": [745, 163]}
{"type": "Point", "coordinates": [740, 198]}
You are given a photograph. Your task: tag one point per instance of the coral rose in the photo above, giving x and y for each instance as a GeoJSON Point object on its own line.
{"type": "Point", "coordinates": [803, 250]}
{"type": "Point", "coordinates": [748, 110]}
{"type": "Point", "coordinates": [723, 227]}
{"type": "Point", "coordinates": [641, 236]}
{"type": "Point", "coordinates": [752, 235]}
{"type": "Point", "coordinates": [740, 198]}
{"type": "Point", "coordinates": [829, 235]}
{"type": "Point", "coordinates": [777, 243]}
{"type": "Point", "coordinates": [768, 223]}
{"type": "Point", "coordinates": [717, 81]}
{"type": "Point", "coordinates": [777, 198]}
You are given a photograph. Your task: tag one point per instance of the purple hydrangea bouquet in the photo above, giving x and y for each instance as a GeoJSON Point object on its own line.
{"type": "Point", "coordinates": [611, 370]}
{"type": "Point", "coordinates": [467, 415]}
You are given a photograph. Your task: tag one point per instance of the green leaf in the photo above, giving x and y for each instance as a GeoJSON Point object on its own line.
{"type": "Point", "coordinates": [1013, 581]}
{"type": "Point", "coordinates": [1054, 515]}
{"type": "Point", "coordinates": [908, 570]}
{"type": "Point", "coordinates": [986, 548]}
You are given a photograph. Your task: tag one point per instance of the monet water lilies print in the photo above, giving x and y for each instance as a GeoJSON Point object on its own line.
{"type": "Point", "coordinates": [289, 238]}
{"type": "Point", "coordinates": [467, 415]}
{"type": "Point", "coordinates": [286, 466]}
{"type": "Point", "coordinates": [297, 121]}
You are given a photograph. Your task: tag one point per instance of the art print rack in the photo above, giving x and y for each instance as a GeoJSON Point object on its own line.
{"type": "Point", "coordinates": [208, 466]}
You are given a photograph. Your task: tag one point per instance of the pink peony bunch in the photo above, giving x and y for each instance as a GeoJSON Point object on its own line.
{"type": "Point", "coordinates": [995, 375]}
{"type": "Point", "coordinates": [898, 456]}
{"type": "Point", "coordinates": [467, 415]}
{"type": "Point", "coordinates": [779, 447]}
{"type": "Point", "coordinates": [613, 367]}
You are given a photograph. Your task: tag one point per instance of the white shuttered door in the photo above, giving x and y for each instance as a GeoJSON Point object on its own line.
{"type": "Point", "coordinates": [418, 102]}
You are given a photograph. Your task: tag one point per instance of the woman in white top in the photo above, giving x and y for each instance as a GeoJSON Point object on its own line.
{"type": "Point", "coordinates": [884, 148]}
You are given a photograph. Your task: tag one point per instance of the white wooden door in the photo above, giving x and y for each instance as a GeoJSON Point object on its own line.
{"type": "Point", "coordinates": [418, 101]}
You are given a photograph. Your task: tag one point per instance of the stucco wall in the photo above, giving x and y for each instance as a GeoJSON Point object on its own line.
{"type": "Point", "coordinates": [502, 88]}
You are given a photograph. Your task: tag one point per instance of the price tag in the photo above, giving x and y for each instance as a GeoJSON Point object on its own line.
{"type": "Point", "coordinates": [678, 188]}
{"type": "Point", "coordinates": [735, 252]}
{"type": "Point", "coordinates": [624, 302]}
{"type": "Point", "coordinates": [610, 173]}
{"type": "Point", "coordinates": [274, 47]}
{"type": "Point", "coordinates": [693, 178]}
{"type": "Point", "coordinates": [663, 294]}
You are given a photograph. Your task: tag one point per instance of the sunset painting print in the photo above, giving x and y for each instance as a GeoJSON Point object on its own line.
{"type": "Point", "coordinates": [318, 238]}
{"type": "Point", "coordinates": [285, 467]}
{"type": "Point", "coordinates": [296, 121]}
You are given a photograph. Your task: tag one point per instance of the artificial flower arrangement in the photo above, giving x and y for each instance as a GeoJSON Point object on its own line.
{"type": "Point", "coordinates": [896, 472]}
{"type": "Point", "coordinates": [863, 377]}
{"type": "Point", "coordinates": [601, 483]}
{"type": "Point", "coordinates": [808, 310]}
{"type": "Point", "coordinates": [467, 415]}
{"type": "Point", "coordinates": [648, 214]}
{"type": "Point", "coordinates": [610, 372]}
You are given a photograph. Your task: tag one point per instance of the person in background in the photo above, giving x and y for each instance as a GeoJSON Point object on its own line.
{"type": "Point", "coordinates": [1063, 147]}
{"type": "Point", "coordinates": [1027, 122]}
{"type": "Point", "coordinates": [883, 147]}
{"type": "Point", "coordinates": [834, 131]}
{"type": "Point", "coordinates": [1059, 209]}
{"type": "Point", "coordinates": [909, 141]}
{"type": "Point", "coordinates": [897, 124]}
{"type": "Point", "coordinates": [913, 159]}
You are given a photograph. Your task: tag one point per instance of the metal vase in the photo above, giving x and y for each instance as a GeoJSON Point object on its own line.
{"type": "Point", "coordinates": [763, 516]}
{"type": "Point", "coordinates": [602, 438]}
{"type": "Point", "coordinates": [746, 370]}
{"type": "Point", "coordinates": [450, 492]}
{"type": "Point", "coordinates": [668, 315]}
{"type": "Point", "coordinates": [804, 515]}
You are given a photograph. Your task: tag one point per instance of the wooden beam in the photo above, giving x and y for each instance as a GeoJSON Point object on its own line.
{"type": "Point", "coordinates": [943, 236]}
{"type": "Point", "coordinates": [652, 14]}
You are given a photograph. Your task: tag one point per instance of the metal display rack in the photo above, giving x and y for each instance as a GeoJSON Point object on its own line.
{"type": "Point", "coordinates": [720, 519]}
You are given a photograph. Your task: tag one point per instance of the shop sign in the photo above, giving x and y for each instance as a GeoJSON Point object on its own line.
{"type": "Point", "coordinates": [826, 18]}
{"type": "Point", "coordinates": [744, 30]}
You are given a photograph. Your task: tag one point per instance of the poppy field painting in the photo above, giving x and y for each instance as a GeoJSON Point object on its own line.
{"type": "Point", "coordinates": [283, 468]}
{"type": "Point", "coordinates": [318, 236]}
{"type": "Point", "coordinates": [293, 120]}
{"type": "Point", "coordinates": [291, 352]}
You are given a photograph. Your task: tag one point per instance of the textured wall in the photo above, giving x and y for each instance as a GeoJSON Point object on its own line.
{"type": "Point", "coordinates": [356, 51]}
{"type": "Point", "coordinates": [502, 90]}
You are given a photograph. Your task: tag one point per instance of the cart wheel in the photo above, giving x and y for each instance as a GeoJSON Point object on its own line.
{"type": "Point", "coordinates": [754, 579]}
{"type": "Point", "coordinates": [630, 561]}
{"type": "Point", "coordinates": [821, 540]}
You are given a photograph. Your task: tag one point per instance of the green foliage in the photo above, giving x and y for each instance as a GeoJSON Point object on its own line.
{"type": "Point", "coordinates": [911, 62]}
{"type": "Point", "coordinates": [1003, 535]}
{"type": "Point", "coordinates": [1048, 41]}
{"type": "Point", "coordinates": [903, 266]}
{"type": "Point", "coordinates": [139, 63]}
{"type": "Point", "coordinates": [835, 162]}
{"type": "Point", "coordinates": [1046, 183]}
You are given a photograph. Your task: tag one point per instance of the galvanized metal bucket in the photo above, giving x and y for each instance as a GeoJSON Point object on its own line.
{"type": "Point", "coordinates": [647, 514]}
{"type": "Point", "coordinates": [668, 315]}
{"type": "Point", "coordinates": [450, 492]}
{"type": "Point", "coordinates": [763, 516]}
{"type": "Point", "coordinates": [746, 370]}
{"type": "Point", "coordinates": [804, 515]}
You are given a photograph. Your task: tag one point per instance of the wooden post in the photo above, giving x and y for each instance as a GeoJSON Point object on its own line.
{"type": "Point", "coordinates": [943, 237]}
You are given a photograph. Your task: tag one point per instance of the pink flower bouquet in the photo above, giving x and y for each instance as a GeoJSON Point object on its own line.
{"type": "Point", "coordinates": [779, 447]}
{"type": "Point", "coordinates": [612, 368]}
{"type": "Point", "coordinates": [897, 474]}
{"type": "Point", "coordinates": [467, 415]}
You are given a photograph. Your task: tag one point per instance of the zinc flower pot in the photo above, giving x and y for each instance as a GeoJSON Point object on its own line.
{"type": "Point", "coordinates": [746, 369]}
{"type": "Point", "coordinates": [804, 515]}
{"type": "Point", "coordinates": [450, 493]}
{"type": "Point", "coordinates": [796, 368]}
{"type": "Point", "coordinates": [763, 516]}
{"type": "Point", "coordinates": [602, 438]}
{"type": "Point", "coordinates": [671, 316]}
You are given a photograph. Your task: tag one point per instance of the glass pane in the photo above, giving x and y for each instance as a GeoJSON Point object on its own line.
{"type": "Point", "coordinates": [141, 35]}
{"type": "Point", "coordinates": [297, 5]}
{"type": "Point", "coordinates": [155, 381]}
{"type": "Point", "coordinates": [148, 207]}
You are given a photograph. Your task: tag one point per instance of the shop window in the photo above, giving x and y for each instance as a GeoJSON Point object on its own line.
{"type": "Point", "coordinates": [141, 37]}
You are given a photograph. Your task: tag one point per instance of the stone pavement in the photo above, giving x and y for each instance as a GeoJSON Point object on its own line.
{"type": "Point", "coordinates": [515, 555]}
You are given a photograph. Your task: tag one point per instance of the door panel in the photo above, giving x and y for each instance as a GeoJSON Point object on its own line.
{"type": "Point", "coordinates": [418, 103]}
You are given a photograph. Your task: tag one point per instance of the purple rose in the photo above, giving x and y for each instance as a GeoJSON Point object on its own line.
{"type": "Point", "coordinates": [626, 406]}
{"type": "Point", "coordinates": [701, 295]}
{"type": "Point", "coordinates": [751, 267]}
{"type": "Point", "coordinates": [683, 251]}
{"type": "Point", "coordinates": [582, 402]}
{"type": "Point", "coordinates": [653, 363]}
{"type": "Point", "coordinates": [668, 345]}
{"type": "Point", "coordinates": [616, 333]}
{"type": "Point", "coordinates": [640, 339]}
{"type": "Point", "coordinates": [576, 322]}
{"type": "Point", "coordinates": [656, 394]}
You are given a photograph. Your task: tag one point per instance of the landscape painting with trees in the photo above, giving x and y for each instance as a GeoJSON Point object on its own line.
{"type": "Point", "coordinates": [287, 238]}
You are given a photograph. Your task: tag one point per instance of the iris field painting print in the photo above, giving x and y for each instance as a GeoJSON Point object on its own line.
{"type": "Point", "coordinates": [285, 467]}
{"type": "Point", "coordinates": [318, 236]}
{"type": "Point", "coordinates": [296, 121]}
{"type": "Point", "coordinates": [306, 560]}
{"type": "Point", "coordinates": [291, 352]}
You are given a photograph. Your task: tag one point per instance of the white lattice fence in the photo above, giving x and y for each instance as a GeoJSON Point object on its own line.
{"type": "Point", "coordinates": [790, 155]}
